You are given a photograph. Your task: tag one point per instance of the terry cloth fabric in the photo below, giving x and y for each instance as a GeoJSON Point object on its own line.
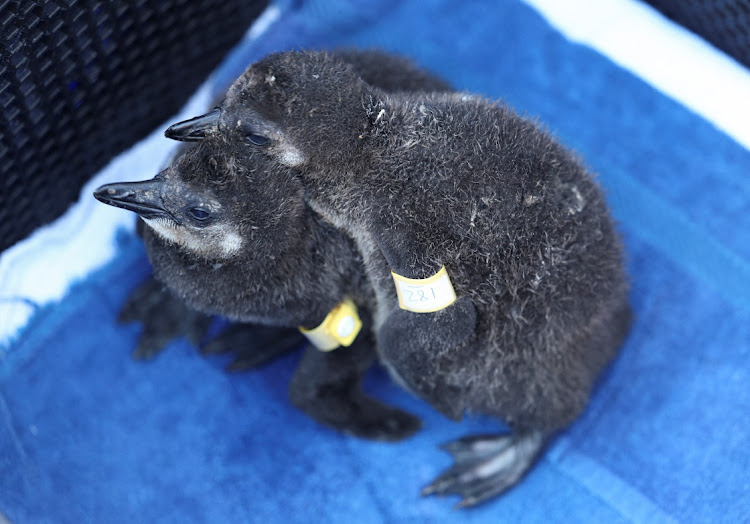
{"type": "Point", "coordinates": [88, 435]}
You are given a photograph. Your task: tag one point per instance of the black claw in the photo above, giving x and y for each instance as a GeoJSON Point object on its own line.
{"type": "Point", "coordinates": [446, 482]}
{"type": "Point", "coordinates": [468, 502]}
{"type": "Point", "coordinates": [430, 489]}
{"type": "Point", "coordinates": [483, 490]}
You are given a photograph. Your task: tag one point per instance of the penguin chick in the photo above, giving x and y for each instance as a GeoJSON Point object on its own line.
{"type": "Point", "coordinates": [228, 238]}
{"type": "Point", "coordinates": [165, 317]}
{"type": "Point", "coordinates": [424, 181]}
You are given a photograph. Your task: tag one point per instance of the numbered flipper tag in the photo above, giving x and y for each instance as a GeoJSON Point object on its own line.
{"type": "Point", "coordinates": [340, 327]}
{"type": "Point", "coordinates": [425, 295]}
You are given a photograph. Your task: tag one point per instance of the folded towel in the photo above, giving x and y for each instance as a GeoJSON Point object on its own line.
{"type": "Point", "coordinates": [88, 435]}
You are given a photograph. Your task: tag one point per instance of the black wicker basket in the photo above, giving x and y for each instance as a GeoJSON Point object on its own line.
{"type": "Point", "coordinates": [81, 81]}
{"type": "Point", "coordinates": [724, 23]}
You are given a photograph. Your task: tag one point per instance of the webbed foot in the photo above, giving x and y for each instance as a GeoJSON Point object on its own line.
{"type": "Point", "coordinates": [327, 386]}
{"type": "Point", "coordinates": [164, 318]}
{"type": "Point", "coordinates": [357, 414]}
{"type": "Point", "coordinates": [253, 345]}
{"type": "Point", "coordinates": [374, 420]}
{"type": "Point", "coordinates": [486, 466]}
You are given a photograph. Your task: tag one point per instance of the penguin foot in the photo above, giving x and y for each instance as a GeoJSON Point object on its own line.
{"type": "Point", "coordinates": [164, 318]}
{"type": "Point", "coordinates": [253, 345]}
{"type": "Point", "coordinates": [486, 466]}
{"type": "Point", "coordinates": [356, 414]}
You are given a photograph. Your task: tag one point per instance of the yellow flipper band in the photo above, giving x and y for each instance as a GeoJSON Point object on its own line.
{"type": "Point", "coordinates": [340, 327]}
{"type": "Point", "coordinates": [425, 295]}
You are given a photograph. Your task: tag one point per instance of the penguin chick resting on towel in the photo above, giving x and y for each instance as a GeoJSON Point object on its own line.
{"type": "Point", "coordinates": [509, 294]}
{"type": "Point", "coordinates": [227, 238]}
{"type": "Point", "coordinates": [164, 317]}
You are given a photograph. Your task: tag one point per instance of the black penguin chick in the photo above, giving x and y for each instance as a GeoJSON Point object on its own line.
{"type": "Point", "coordinates": [326, 386]}
{"type": "Point", "coordinates": [424, 181]}
{"type": "Point", "coordinates": [227, 237]}
{"type": "Point", "coordinates": [165, 317]}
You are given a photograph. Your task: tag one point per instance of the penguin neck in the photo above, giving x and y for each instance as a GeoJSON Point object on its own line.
{"type": "Point", "coordinates": [374, 276]}
{"type": "Point", "coordinates": [296, 285]}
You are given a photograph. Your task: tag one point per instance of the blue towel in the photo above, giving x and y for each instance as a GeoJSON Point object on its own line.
{"type": "Point", "coordinates": [88, 435]}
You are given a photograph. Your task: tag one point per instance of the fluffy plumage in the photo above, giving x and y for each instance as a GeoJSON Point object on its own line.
{"type": "Point", "coordinates": [425, 180]}
{"type": "Point", "coordinates": [235, 237]}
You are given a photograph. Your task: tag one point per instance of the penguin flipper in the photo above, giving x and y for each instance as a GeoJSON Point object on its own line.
{"type": "Point", "coordinates": [418, 347]}
{"type": "Point", "coordinates": [164, 317]}
{"type": "Point", "coordinates": [486, 466]}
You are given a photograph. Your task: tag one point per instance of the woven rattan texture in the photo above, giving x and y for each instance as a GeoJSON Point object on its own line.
{"type": "Point", "coordinates": [81, 81]}
{"type": "Point", "coordinates": [724, 23]}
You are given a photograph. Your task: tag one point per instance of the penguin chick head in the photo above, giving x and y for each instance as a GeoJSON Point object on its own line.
{"type": "Point", "coordinates": [297, 107]}
{"type": "Point", "coordinates": [211, 205]}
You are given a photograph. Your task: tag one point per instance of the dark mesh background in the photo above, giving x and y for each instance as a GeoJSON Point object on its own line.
{"type": "Point", "coordinates": [81, 81]}
{"type": "Point", "coordinates": [724, 23]}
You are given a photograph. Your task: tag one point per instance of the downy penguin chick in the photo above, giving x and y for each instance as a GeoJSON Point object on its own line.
{"type": "Point", "coordinates": [228, 238]}
{"type": "Point", "coordinates": [165, 317]}
{"type": "Point", "coordinates": [430, 181]}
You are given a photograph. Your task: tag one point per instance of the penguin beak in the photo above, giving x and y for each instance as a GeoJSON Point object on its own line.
{"type": "Point", "coordinates": [195, 129]}
{"type": "Point", "coordinates": [143, 198]}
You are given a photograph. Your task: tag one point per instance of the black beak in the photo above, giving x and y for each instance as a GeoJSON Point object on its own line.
{"type": "Point", "coordinates": [195, 129]}
{"type": "Point", "coordinates": [143, 198]}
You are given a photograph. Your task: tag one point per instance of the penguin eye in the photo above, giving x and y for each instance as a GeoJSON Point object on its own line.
{"type": "Point", "coordinates": [257, 140]}
{"type": "Point", "coordinates": [199, 213]}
